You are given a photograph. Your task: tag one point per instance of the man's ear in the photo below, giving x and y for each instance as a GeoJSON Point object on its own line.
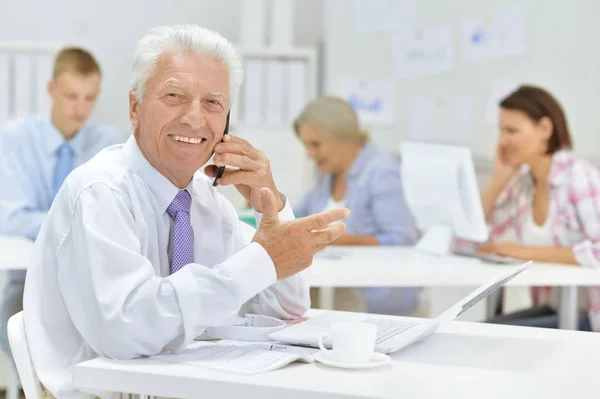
{"type": "Point", "coordinates": [134, 106]}
{"type": "Point", "coordinates": [51, 88]}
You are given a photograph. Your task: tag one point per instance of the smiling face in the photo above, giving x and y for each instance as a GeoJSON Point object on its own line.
{"type": "Point", "coordinates": [182, 115]}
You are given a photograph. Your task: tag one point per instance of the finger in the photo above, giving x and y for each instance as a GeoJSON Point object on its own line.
{"type": "Point", "coordinates": [211, 170]}
{"type": "Point", "coordinates": [269, 207]}
{"type": "Point", "coordinates": [235, 145]}
{"type": "Point", "coordinates": [329, 234]}
{"type": "Point", "coordinates": [321, 220]}
{"type": "Point", "coordinates": [239, 161]}
{"type": "Point", "coordinates": [233, 176]}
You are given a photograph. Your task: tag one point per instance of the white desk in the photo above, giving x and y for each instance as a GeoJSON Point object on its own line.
{"type": "Point", "coordinates": [15, 252]}
{"type": "Point", "coordinates": [462, 360]}
{"type": "Point", "coordinates": [401, 267]}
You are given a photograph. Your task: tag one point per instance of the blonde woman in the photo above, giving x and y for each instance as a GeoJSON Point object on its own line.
{"type": "Point", "coordinates": [356, 175]}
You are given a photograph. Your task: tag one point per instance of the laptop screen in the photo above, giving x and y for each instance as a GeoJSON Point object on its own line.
{"type": "Point", "coordinates": [482, 292]}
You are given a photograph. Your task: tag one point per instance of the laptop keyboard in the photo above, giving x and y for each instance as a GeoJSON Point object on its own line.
{"type": "Point", "coordinates": [388, 328]}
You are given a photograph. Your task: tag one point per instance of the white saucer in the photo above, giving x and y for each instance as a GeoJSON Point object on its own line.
{"type": "Point", "coordinates": [378, 359]}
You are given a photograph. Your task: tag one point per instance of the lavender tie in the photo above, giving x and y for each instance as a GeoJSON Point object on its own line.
{"type": "Point", "coordinates": [183, 234]}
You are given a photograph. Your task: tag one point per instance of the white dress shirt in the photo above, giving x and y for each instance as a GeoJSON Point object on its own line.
{"type": "Point", "coordinates": [99, 282]}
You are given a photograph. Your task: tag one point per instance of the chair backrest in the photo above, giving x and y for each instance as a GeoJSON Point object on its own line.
{"type": "Point", "coordinates": [20, 350]}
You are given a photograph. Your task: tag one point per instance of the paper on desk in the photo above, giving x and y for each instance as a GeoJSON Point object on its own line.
{"type": "Point", "coordinates": [234, 357]}
{"type": "Point", "coordinates": [307, 353]}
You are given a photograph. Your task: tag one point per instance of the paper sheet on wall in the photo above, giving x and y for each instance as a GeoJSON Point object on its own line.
{"type": "Point", "coordinates": [43, 73]}
{"type": "Point", "coordinates": [495, 36]}
{"type": "Point", "coordinates": [23, 85]}
{"type": "Point", "coordinates": [442, 119]}
{"type": "Point", "coordinates": [376, 16]}
{"type": "Point", "coordinates": [498, 90]}
{"type": "Point", "coordinates": [4, 91]}
{"type": "Point", "coordinates": [372, 99]}
{"type": "Point", "coordinates": [420, 53]}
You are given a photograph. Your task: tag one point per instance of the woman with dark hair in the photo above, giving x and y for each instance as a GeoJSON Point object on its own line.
{"type": "Point", "coordinates": [543, 202]}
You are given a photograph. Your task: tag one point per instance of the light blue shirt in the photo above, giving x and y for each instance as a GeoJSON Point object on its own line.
{"type": "Point", "coordinates": [374, 196]}
{"type": "Point", "coordinates": [28, 156]}
{"type": "Point", "coordinates": [378, 208]}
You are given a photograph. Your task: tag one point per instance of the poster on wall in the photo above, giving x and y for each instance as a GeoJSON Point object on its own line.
{"type": "Point", "coordinates": [421, 53]}
{"type": "Point", "coordinates": [372, 99]}
{"type": "Point", "coordinates": [494, 36]}
{"type": "Point", "coordinates": [377, 16]}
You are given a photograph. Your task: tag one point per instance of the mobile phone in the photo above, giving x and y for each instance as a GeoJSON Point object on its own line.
{"type": "Point", "coordinates": [222, 168]}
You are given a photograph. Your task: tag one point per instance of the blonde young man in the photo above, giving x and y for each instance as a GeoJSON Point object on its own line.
{"type": "Point", "coordinates": [139, 252]}
{"type": "Point", "coordinates": [37, 154]}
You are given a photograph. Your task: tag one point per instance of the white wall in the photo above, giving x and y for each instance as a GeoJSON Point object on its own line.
{"type": "Point", "coordinates": [562, 57]}
{"type": "Point", "coordinates": [110, 29]}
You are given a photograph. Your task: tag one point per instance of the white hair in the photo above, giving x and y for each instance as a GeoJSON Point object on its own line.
{"type": "Point", "coordinates": [190, 38]}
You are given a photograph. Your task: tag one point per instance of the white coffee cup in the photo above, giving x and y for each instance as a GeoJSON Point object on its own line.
{"type": "Point", "coordinates": [352, 342]}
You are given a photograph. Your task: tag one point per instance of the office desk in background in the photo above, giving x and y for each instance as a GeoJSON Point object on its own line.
{"type": "Point", "coordinates": [15, 252]}
{"type": "Point", "coordinates": [402, 267]}
{"type": "Point", "coordinates": [463, 360]}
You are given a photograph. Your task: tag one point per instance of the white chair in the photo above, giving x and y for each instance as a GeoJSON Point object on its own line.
{"type": "Point", "coordinates": [20, 349]}
{"type": "Point", "coordinates": [13, 390]}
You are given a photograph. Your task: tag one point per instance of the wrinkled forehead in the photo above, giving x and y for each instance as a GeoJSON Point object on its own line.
{"type": "Point", "coordinates": [191, 73]}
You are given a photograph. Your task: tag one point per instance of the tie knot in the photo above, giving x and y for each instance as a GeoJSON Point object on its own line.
{"type": "Point", "coordinates": [182, 202]}
{"type": "Point", "coordinates": [65, 149]}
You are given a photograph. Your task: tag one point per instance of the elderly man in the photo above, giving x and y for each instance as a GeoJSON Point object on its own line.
{"type": "Point", "coordinates": [138, 255]}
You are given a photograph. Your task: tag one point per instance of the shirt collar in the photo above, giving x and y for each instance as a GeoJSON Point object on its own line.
{"type": "Point", "coordinates": [561, 161]}
{"type": "Point", "coordinates": [161, 187]}
{"type": "Point", "coordinates": [53, 138]}
{"type": "Point", "coordinates": [364, 156]}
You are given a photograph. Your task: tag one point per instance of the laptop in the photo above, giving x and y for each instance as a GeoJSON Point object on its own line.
{"type": "Point", "coordinates": [394, 332]}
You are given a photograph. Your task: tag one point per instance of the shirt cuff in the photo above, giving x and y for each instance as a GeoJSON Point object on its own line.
{"type": "Point", "coordinates": [251, 270]}
{"type": "Point", "coordinates": [285, 214]}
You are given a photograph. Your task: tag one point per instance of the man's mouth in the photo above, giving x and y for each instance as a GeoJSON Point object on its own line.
{"type": "Point", "coordinates": [189, 140]}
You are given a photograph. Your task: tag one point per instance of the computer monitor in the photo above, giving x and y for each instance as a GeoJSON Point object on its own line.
{"type": "Point", "coordinates": [441, 190]}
